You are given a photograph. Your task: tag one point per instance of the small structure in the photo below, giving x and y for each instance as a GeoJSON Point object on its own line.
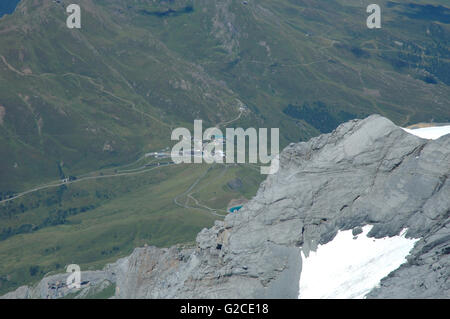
{"type": "Point", "coordinates": [235, 209]}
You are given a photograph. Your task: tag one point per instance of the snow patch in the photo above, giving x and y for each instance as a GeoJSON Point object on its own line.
{"type": "Point", "coordinates": [350, 267]}
{"type": "Point", "coordinates": [430, 133]}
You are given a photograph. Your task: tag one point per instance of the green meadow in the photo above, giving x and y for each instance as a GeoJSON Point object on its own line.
{"type": "Point", "coordinates": [92, 102]}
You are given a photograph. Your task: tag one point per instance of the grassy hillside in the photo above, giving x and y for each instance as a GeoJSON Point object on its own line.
{"type": "Point", "coordinates": [106, 93]}
{"type": "Point", "coordinates": [90, 102]}
{"type": "Point", "coordinates": [96, 222]}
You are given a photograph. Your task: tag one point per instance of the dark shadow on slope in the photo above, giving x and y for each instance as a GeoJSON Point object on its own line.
{"type": "Point", "coordinates": [426, 12]}
{"type": "Point", "coordinates": [8, 6]}
{"type": "Point", "coordinates": [168, 12]}
{"type": "Point", "coordinates": [318, 115]}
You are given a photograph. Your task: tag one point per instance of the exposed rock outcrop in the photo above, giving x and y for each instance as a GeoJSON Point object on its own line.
{"type": "Point", "coordinates": [365, 172]}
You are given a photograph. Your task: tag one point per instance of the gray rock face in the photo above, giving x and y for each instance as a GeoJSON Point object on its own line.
{"type": "Point", "coordinates": [365, 172]}
{"type": "Point", "coordinates": [53, 287]}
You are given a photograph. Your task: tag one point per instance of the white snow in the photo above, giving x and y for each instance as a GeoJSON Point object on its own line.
{"type": "Point", "coordinates": [430, 133]}
{"type": "Point", "coordinates": [350, 268]}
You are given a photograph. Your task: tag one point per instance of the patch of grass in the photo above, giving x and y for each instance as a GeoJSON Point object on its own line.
{"type": "Point", "coordinates": [95, 99]}
{"type": "Point", "coordinates": [129, 212]}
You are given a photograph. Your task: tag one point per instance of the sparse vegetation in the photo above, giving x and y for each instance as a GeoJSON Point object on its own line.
{"type": "Point", "coordinates": [89, 102]}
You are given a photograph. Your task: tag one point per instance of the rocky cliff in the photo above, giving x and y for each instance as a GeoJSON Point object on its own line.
{"type": "Point", "coordinates": [365, 172]}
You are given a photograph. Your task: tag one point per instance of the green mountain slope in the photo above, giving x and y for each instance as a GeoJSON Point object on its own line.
{"type": "Point", "coordinates": [89, 102]}
{"type": "Point", "coordinates": [103, 94]}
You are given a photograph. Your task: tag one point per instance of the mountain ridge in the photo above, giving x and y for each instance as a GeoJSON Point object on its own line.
{"type": "Point", "coordinates": [365, 172]}
{"type": "Point", "coordinates": [87, 104]}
